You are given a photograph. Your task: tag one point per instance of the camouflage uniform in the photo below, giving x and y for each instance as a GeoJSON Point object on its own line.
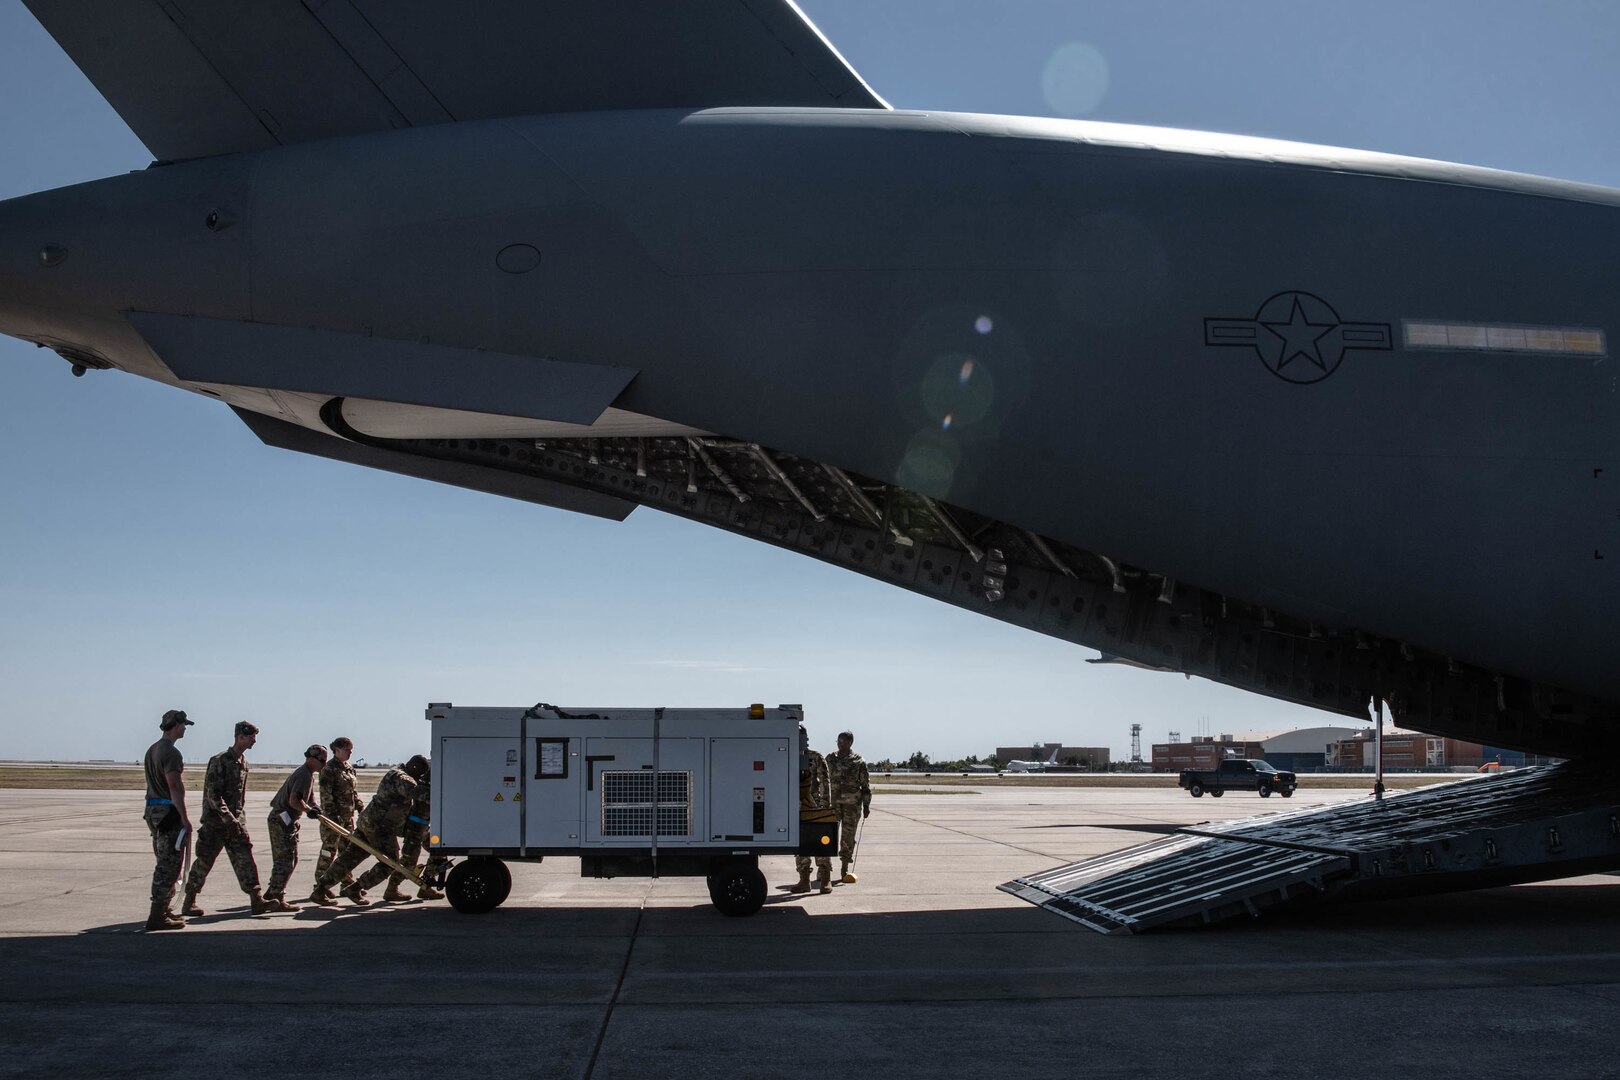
{"type": "Point", "coordinates": [814, 794]}
{"type": "Point", "coordinates": [380, 825]}
{"type": "Point", "coordinates": [284, 834]}
{"type": "Point", "coordinates": [162, 819]}
{"type": "Point", "coordinates": [224, 792]}
{"type": "Point", "coordinates": [851, 795]}
{"type": "Point", "coordinates": [340, 802]}
{"type": "Point", "coordinates": [416, 837]}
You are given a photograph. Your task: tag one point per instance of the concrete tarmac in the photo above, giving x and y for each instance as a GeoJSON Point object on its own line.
{"type": "Point", "coordinates": [922, 969]}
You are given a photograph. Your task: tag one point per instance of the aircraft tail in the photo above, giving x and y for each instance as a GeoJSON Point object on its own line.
{"type": "Point", "coordinates": [233, 75]}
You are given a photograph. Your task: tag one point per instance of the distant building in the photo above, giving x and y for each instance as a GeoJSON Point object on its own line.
{"type": "Point", "coordinates": [1408, 750]}
{"type": "Point", "coordinates": [1296, 750]}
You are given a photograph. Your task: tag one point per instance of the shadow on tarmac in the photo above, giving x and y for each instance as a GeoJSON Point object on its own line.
{"type": "Point", "coordinates": [531, 989]}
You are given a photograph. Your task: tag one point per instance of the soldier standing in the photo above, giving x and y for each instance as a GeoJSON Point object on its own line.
{"type": "Point", "coordinates": [380, 826]}
{"type": "Point", "coordinates": [815, 793]}
{"type": "Point", "coordinates": [295, 800]}
{"type": "Point", "coordinates": [166, 816]}
{"type": "Point", "coordinates": [851, 796]}
{"type": "Point", "coordinates": [223, 826]}
{"type": "Point", "coordinates": [340, 802]}
{"type": "Point", "coordinates": [416, 835]}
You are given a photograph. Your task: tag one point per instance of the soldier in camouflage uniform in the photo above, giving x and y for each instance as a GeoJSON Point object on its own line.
{"type": "Point", "coordinates": [166, 816]}
{"type": "Point", "coordinates": [852, 798]}
{"type": "Point", "coordinates": [416, 837]}
{"type": "Point", "coordinates": [815, 793]}
{"type": "Point", "coordinates": [339, 801]}
{"type": "Point", "coordinates": [380, 826]}
{"type": "Point", "coordinates": [296, 799]}
{"type": "Point", "coordinates": [224, 792]}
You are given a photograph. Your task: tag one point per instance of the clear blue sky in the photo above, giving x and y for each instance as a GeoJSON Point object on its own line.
{"type": "Point", "coordinates": [155, 555]}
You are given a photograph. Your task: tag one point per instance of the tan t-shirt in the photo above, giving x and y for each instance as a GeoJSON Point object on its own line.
{"type": "Point", "coordinates": [162, 758]}
{"type": "Point", "coordinates": [299, 783]}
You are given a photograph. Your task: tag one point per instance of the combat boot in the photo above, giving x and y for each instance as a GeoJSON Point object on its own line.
{"type": "Point", "coordinates": [162, 918]}
{"type": "Point", "coordinates": [428, 892]}
{"type": "Point", "coordinates": [356, 895]}
{"type": "Point", "coordinates": [279, 903]}
{"type": "Point", "coordinates": [258, 905]}
{"type": "Point", "coordinates": [824, 882]}
{"type": "Point", "coordinates": [188, 905]}
{"type": "Point", "coordinates": [843, 872]}
{"type": "Point", "coordinates": [803, 884]}
{"type": "Point", "coordinates": [396, 895]}
{"type": "Point", "coordinates": [322, 898]}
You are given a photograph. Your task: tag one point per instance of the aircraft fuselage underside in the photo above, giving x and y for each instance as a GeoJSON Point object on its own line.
{"type": "Point", "coordinates": [1322, 424]}
{"type": "Point", "coordinates": [1008, 573]}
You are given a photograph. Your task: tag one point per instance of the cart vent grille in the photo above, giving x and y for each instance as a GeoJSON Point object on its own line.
{"type": "Point", "coordinates": [631, 801]}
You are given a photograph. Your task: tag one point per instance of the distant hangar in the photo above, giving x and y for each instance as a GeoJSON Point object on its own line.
{"type": "Point", "coordinates": [1331, 747]}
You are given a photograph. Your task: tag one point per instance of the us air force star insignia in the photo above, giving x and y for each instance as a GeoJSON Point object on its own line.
{"type": "Point", "coordinates": [1299, 337]}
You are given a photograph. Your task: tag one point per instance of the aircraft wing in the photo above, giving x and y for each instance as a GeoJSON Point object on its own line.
{"type": "Point", "coordinates": [224, 76]}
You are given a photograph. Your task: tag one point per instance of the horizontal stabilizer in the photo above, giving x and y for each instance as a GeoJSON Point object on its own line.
{"type": "Point", "coordinates": [226, 76]}
{"type": "Point", "coordinates": [493, 481]}
{"type": "Point", "coordinates": [352, 366]}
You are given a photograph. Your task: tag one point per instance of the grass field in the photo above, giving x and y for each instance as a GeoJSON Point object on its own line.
{"type": "Point", "coordinates": [81, 776]}
{"type": "Point", "coordinates": [1329, 781]}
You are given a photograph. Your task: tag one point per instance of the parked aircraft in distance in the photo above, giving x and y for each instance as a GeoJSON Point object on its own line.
{"type": "Point", "coordinates": [1033, 766]}
{"type": "Point", "coordinates": [1327, 425]}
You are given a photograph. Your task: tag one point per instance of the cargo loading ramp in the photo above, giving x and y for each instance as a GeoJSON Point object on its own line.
{"type": "Point", "coordinates": [1527, 825]}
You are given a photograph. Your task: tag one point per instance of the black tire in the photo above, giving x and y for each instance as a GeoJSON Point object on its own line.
{"type": "Point", "coordinates": [505, 881]}
{"type": "Point", "coordinates": [476, 886]}
{"type": "Point", "coordinates": [1265, 791]}
{"type": "Point", "coordinates": [1216, 792]}
{"type": "Point", "coordinates": [1196, 790]}
{"type": "Point", "coordinates": [737, 889]}
{"type": "Point", "coordinates": [1287, 793]}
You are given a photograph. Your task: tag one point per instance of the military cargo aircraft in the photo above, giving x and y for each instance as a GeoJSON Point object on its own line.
{"type": "Point", "coordinates": [1327, 425]}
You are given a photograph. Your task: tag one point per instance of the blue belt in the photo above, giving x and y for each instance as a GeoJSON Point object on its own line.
{"type": "Point", "coordinates": [159, 802]}
{"type": "Point", "coordinates": [413, 817]}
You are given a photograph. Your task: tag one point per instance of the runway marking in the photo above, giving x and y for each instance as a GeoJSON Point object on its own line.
{"type": "Point", "coordinates": [618, 987]}
{"type": "Point", "coordinates": [1167, 968]}
{"type": "Point", "coordinates": [972, 836]}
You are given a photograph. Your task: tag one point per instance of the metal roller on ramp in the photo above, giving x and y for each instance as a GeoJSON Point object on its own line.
{"type": "Point", "coordinates": [1529, 825]}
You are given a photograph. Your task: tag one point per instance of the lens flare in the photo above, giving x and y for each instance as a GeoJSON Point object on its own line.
{"type": "Point", "coordinates": [1075, 79]}
{"type": "Point", "coordinates": [983, 324]}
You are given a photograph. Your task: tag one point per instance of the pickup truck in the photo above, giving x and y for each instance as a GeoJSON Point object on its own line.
{"type": "Point", "coordinates": [1238, 775]}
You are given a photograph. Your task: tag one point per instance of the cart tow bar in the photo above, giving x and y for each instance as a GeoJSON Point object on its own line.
{"type": "Point", "coordinates": [363, 846]}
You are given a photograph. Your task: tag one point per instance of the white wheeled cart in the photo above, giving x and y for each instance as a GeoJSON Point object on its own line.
{"type": "Point", "coordinates": [632, 792]}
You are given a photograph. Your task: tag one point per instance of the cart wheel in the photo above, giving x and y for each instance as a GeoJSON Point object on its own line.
{"type": "Point", "coordinates": [737, 888]}
{"type": "Point", "coordinates": [478, 885]}
{"type": "Point", "coordinates": [1196, 790]}
{"type": "Point", "coordinates": [505, 881]}
{"type": "Point", "coordinates": [1216, 792]}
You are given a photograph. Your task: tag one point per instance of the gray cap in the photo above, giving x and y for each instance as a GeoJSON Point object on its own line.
{"type": "Point", "coordinates": [173, 717]}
